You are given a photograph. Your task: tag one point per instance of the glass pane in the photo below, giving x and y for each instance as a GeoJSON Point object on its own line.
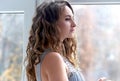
{"type": "Point", "coordinates": [98, 28]}
{"type": "Point", "coordinates": [11, 46]}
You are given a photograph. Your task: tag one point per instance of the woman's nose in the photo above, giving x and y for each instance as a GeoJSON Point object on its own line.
{"type": "Point", "coordinates": [73, 23]}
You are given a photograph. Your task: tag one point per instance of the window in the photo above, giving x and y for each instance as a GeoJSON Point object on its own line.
{"type": "Point", "coordinates": [98, 28]}
{"type": "Point", "coordinates": [11, 45]}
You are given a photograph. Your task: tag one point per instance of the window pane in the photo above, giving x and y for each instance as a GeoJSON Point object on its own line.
{"type": "Point", "coordinates": [11, 44]}
{"type": "Point", "coordinates": [98, 40]}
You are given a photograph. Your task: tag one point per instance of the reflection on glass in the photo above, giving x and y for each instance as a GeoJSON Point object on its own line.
{"type": "Point", "coordinates": [98, 28]}
{"type": "Point", "coordinates": [11, 44]}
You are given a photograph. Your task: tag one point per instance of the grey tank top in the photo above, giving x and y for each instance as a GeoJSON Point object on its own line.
{"type": "Point", "coordinates": [73, 74]}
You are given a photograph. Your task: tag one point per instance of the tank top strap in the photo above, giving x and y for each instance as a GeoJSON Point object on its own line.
{"type": "Point", "coordinates": [44, 54]}
{"type": "Point", "coordinates": [38, 66]}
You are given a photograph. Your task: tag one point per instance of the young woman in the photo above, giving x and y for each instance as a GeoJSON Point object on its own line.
{"type": "Point", "coordinates": [51, 50]}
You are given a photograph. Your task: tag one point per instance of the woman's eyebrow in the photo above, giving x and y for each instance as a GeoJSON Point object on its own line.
{"type": "Point", "coordinates": [69, 16]}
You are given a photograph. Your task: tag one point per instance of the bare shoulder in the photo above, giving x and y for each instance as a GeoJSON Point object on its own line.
{"type": "Point", "coordinates": [54, 55]}
{"type": "Point", "coordinates": [54, 67]}
{"type": "Point", "coordinates": [53, 58]}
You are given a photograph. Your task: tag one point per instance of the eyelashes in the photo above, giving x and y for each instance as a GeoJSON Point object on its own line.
{"type": "Point", "coordinates": [67, 19]}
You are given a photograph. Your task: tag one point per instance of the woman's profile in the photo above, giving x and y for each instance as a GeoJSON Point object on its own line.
{"type": "Point", "coordinates": [51, 50]}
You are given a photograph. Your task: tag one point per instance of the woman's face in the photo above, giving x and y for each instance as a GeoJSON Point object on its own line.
{"type": "Point", "coordinates": [66, 24]}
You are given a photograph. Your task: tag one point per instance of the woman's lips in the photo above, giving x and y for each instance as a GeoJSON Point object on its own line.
{"type": "Point", "coordinates": [72, 30]}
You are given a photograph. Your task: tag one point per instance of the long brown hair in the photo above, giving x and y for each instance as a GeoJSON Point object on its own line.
{"type": "Point", "coordinates": [45, 34]}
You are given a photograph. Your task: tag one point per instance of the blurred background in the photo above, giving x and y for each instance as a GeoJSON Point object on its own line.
{"type": "Point", "coordinates": [98, 27]}
{"type": "Point", "coordinates": [11, 46]}
{"type": "Point", "coordinates": [98, 37]}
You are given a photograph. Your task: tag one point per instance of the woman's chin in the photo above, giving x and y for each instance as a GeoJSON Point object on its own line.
{"type": "Point", "coordinates": [71, 36]}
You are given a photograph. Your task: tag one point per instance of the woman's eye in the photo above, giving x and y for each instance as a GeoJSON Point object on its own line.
{"type": "Point", "coordinates": [67, 18]}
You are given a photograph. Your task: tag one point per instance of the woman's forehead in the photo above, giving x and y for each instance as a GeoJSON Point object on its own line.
{"type": "Point", "coordinates": [66, 12]}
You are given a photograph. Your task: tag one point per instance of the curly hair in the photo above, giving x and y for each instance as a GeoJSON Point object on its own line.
{"type": "Point", "coordinates": [45, 34]}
